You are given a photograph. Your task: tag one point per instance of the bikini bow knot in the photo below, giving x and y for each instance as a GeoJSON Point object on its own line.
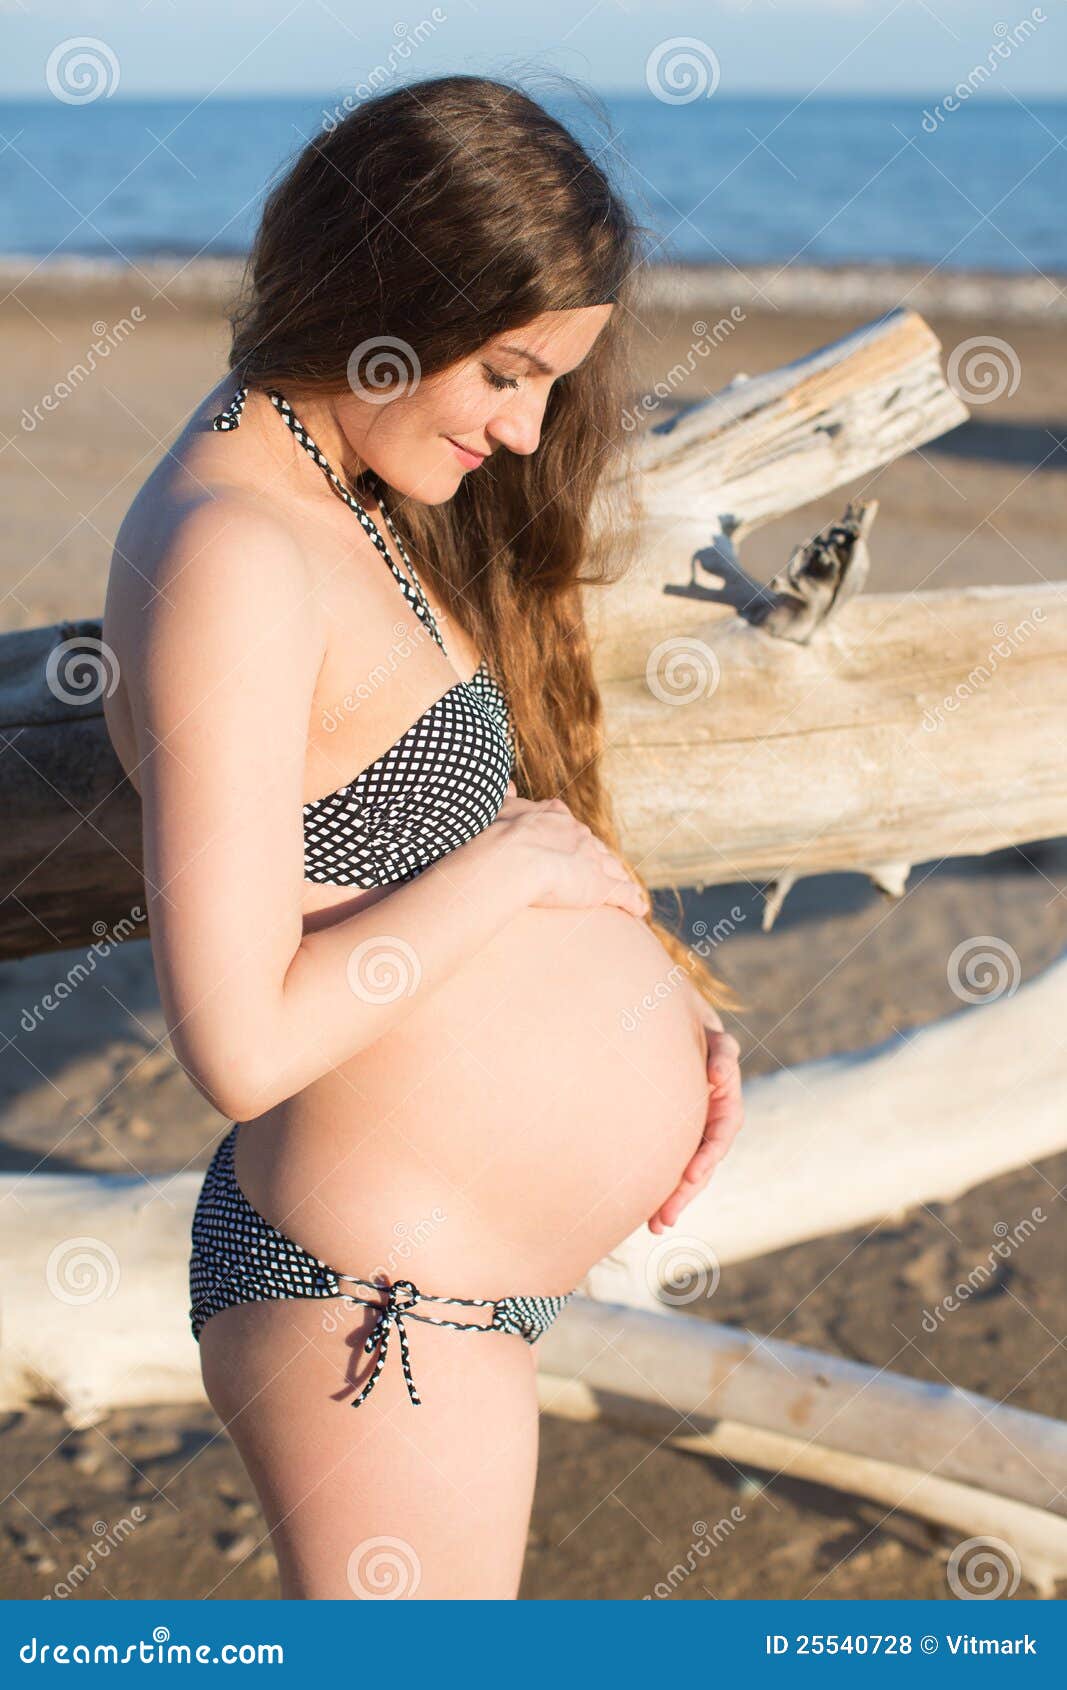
{"type": "Point", "coordinates": [401, 1295]}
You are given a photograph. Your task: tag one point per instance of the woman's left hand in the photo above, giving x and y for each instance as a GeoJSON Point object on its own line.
{"type": "Point", "coordinates": [725, 1115]}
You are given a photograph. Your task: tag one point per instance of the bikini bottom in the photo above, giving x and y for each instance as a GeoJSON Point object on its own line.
{"type": "Point", "coordinates": [240, 1257]}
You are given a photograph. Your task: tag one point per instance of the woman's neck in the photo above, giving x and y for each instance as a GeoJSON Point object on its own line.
{"type": "Point", "coordinates": [319, 416]}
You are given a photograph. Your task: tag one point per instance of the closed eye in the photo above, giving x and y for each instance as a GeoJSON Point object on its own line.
{"type": "Point", "coordinates": [499, 381]}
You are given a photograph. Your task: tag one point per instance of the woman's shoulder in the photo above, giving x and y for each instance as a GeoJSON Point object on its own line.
{"type": "Point", "coordinates": [212, 492]}
{"type": "Point", "coordinates": [188, 535]}
{"type": "Point", "coordinates": [200, 568]}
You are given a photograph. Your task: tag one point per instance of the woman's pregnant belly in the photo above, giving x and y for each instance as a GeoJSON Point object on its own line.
{"type": "Point", "coordinates": [519, 1123]}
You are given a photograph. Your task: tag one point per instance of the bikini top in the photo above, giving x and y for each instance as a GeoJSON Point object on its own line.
{"type": "Point", "coordinates": [444, 779]}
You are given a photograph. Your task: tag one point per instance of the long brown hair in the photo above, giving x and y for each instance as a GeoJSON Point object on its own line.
{"type": "Point", "coordinates": [417, 226]}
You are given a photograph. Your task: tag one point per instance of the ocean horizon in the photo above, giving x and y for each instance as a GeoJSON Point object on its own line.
{"type": "Point", "coordinates": [823, 183]}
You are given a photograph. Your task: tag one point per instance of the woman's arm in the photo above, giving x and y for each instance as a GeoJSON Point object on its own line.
{"type": "Point", "coordinates": [222, 694]}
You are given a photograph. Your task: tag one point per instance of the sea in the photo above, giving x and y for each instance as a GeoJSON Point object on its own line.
{"type": "Point", "coordinates": [736, 181]}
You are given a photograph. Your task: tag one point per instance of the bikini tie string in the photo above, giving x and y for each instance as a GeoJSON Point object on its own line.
{"type": "Point", "coordinates": [389, 1315]}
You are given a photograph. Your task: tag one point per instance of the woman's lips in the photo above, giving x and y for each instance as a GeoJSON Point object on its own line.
{"type": "Point", "coordinates": [469, 459]}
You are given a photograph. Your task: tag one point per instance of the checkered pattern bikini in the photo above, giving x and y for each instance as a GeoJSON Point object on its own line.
{"type": "Point", "coordinates": [239, 1257]}
{"type": "Point", "coordinates": [442, 782]}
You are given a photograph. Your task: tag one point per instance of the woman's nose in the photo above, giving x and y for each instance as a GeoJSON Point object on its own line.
{"type": "Point", "coordinates": [518, 425]}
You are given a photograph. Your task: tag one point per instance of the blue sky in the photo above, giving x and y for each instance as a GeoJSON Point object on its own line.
{"type": "Point", "coordinates": [833, 47]}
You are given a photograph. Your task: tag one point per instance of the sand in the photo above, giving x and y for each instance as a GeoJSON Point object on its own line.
{"type": "Point", "coordinates": [843, 967]}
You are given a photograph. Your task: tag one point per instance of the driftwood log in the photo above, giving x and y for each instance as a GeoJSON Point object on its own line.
{"type": "Point", "coordinates": [1035, 1540]}
{"type": "Point", "coordinates": [71, 869]}
{"type": "Point", "coordinates": [953, 1458]}
{"type": "Point", "coordinates": [914, 726]}
{"type": "Point", "coordinates": [70, 856]}
{"type": "Point", "coordinates": [706, 1372]}
{"type": "Point", "coordinates": [766, 445]}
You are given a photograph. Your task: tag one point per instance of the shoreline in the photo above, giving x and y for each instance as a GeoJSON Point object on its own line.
{"type": "Point", "coordinates": [818, 290]}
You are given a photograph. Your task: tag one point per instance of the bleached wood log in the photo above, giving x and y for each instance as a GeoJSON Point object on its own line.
{"type": "Point", "coordinates": [71, 867]}
{"type": "Point", "coordinates": [709, 1372]}
{"type": "Point", "coordinates": [913, 726]}
{"type": "Point", "coordinates": [70, 870]}
{"type": "Point", "coordinates": [1036, 1541]}
{"type": "Point", "coordinates": [762, 447]}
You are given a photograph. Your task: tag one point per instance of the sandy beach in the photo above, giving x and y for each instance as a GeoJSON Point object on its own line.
{"type": "Point", "coordinates": [843, 967]}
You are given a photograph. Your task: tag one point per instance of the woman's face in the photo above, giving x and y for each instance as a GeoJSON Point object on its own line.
{"type": "Point", "coordinates": [495, 398]}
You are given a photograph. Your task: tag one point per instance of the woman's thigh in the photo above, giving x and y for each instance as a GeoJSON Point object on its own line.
{"type": "Point", "coordinates": [385, 1499]}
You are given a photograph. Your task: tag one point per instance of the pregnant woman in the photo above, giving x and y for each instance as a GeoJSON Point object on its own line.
{"type": "Point", "coordinates": [394, 939]}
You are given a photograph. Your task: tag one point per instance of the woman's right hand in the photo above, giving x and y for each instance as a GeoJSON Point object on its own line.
{"type": "Point", "coordinates": [568, 866]}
